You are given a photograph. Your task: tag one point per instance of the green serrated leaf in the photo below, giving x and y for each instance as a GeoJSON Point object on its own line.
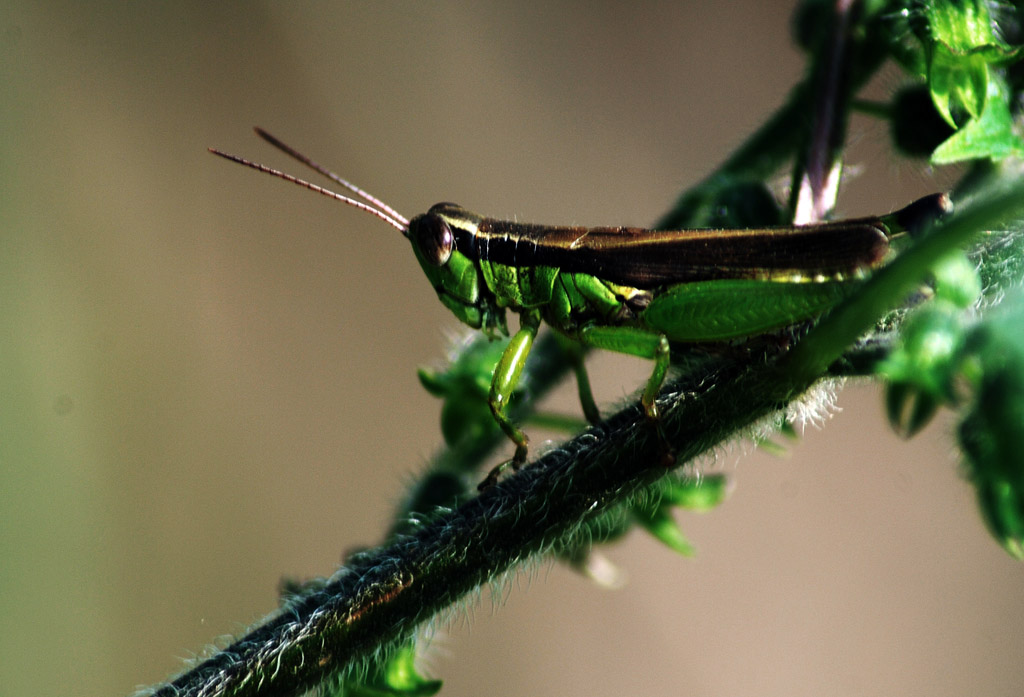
{"type": "Point", "coordinates": [926, 360]}
{"type": "Point", "coordinates": [957, 83]}
{"type": "Point", "coordinates": [993, 428]}
{"type": "Point", "coordinates": [991, 135]}
{"type": "Point", "coordinates": [398, 677]}
{"type": "Point", "coordinates": [770, 447]}
{"type": "Point", "coordinates": [697, 494]}
{"type": "Point", "coordinates": [658, 521]}
{"type": "Point", "coordinates": [1003, 512]}
{"type": "Point", "coordinates": [962, 43]}
{"type": "Point", "coordinates": [402, 677]}
{"type": "Point", "coordinates": [908, 408]}
{"type": "Point", "coordinates": [965, 26]}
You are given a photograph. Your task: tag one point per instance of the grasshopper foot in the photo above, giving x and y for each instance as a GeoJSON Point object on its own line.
{"type": "Point", "coordinates": [517, 461]}
{"type": "Point", "coordinates": [492, 477]}
{"type": "Point", "coordinates": [667, 454]}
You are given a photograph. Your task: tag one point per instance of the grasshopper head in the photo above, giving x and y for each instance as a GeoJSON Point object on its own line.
{"type": "Point", "coordinates": [436, 237]}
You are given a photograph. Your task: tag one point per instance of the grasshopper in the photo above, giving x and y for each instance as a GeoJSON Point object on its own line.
{"type": "Point", "coordinates": [630, 290]}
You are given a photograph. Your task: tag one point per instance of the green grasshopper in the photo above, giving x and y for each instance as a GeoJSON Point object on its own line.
{"type": "Point", "coordinates": [630, 290]}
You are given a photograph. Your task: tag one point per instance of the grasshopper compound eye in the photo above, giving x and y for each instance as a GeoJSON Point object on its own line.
{"type": "Point", "coordinates": [433, 237]}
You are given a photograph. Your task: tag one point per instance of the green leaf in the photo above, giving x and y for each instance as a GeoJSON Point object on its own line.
{"type": "Point", "coordinates": [966, 26]}
{"type": "Point", "coordinates": [697, 493]}
{"type": "Point", "coordinates": [692, 493]}
{"type": "Point", "coordinates": [397, 677]}
{"type": "Point", "coordinates": [908, 408]}
{"type": "Point", "coordinates": [464, 385]}
{"type": "Point", "coordinates": [658, 521]}
{"type": "Point", "coordinates": [962, 44]}
{"type": "Point", "coordinates": [929, 351]}
{"type": "Point", "coordinates": [992, 430]}
{"type": "Point", "coordinates": [957, 82]}
{"type": "Point", "coordinates": [990, 135]}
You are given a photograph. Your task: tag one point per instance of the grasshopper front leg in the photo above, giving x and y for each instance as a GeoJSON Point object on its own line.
{"type": "Point", "coordinates": [632, 341]}
{"type": "Point", "coordinates": [503, 383]}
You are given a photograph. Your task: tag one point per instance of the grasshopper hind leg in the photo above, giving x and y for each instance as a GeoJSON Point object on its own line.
{"type": "Point", "coordinates": [522, 443]}
{"type": "Point", "coordinates": [647, 399]}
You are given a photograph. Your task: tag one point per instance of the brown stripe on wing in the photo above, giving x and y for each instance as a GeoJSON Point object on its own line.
{"type": "Point", "coordinates": [649, 258]}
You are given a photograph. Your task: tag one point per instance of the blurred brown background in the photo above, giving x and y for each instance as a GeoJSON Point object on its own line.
{"type": "Point", "coordinates": [207, 378]}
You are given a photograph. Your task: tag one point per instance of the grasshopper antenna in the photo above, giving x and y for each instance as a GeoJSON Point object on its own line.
{"type": "Point", "coordinates": [369, 198]}
{"type": "Point", "coordinates": [388, 215]}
